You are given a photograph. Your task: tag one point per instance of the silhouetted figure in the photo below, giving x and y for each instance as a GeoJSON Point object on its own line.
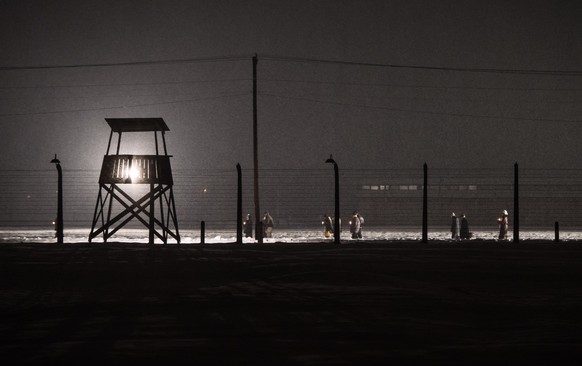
{"type": "Point", "coordinates": [464, 232]}
{"type": "Point", "coordinates": [355, 225]}
{"type": "Point", "coordinates": [327, 226]}
{"type": "Point", "coordinates": [454, 227]}
{"type": "Point", "coordinates": [503, 225]}
{"type": "Point", "coordinates": [248, 227]}
{"type": "Point", "coordinates": [267, 225]}
{"type": "Point", "coordinates": [361, 218]}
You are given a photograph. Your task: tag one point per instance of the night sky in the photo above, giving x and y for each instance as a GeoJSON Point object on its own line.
{"type": "Point", "coordinates": [361, 108]}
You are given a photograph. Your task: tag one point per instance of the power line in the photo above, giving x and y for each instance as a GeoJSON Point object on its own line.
{"type": "Point", "coordinates": [134, 63]}
{"type": "Point", "coordinates": [106, 96]}
{"type": "Point", "coordinates": [122, 107]}
{"type": "Point", "coordinates": [414, 86]}
{"type": "Point", "coordinates": [439, 98]}
{"type": "Point", "coordinates": [420, 111]}
{"type": "Point", "coordinates": [123, 84]}
{"type": "Point", "coordinates": [302, 60]}
{"type": "Point", "coordinates": [424, 67]}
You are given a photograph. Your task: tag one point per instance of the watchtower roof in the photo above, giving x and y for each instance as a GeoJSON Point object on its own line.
{"type": "Point", "coordinates": [137, 124]}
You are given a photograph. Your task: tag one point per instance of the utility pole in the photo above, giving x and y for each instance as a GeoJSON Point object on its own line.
{"type": "Point", "coordinates": [258, 223]}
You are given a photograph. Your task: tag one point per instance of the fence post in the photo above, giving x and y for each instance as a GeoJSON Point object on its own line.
{"type": "Point", "coordinates": [59, 221]}
{"type": "Point", "coordinates": [425, 206]}
{"type": "Point", "coordinates": [557, 231]}
{"type": "Point", "coordinates": [336, 224]}
{"type": "Point", "coordinates": [515, 204]}
{"type": "Point", "coordinates": [239, 229]}
{"type": "Point", "coordinates": [202, 231]}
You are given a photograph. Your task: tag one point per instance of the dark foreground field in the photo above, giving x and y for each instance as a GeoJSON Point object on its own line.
{"type": "Point", "coordinates": [478, 303]}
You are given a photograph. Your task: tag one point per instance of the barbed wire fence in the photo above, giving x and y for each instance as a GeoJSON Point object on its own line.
{"type": "Point", "coordinates": [298, 198]}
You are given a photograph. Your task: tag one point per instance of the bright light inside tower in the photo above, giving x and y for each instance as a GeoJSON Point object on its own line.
{"type": "Point", "coordinates": [134, 173]}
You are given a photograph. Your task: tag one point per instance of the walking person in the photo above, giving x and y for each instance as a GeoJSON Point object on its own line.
{"type": "Point", "coordinates": [248, 226]}
{"type": "Point", "coordinates": [355, 225]}
{"type": "Point", "coordinates": [464, 232]}
{"type": "Point", "coordinates": [267, 225]}
{"type": "Point", "coordinates": [327, 226]}
{"type": "Point", "coordinates": [503, 225]}
{"type": "Point", "coordinates": [361, 218]}
{"type": "Point", "coordinates": [454, 227]}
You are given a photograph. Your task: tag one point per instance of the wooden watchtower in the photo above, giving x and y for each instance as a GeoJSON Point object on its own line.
{"type": "Point", "coordinates": [119, 171]}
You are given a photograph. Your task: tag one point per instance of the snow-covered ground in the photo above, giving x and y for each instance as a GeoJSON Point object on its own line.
{"type": "Point", "coordinates": [285, 236]}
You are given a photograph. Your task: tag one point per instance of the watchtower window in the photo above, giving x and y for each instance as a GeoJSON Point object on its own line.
{"type": "Point", "coordinates": [136, 169]}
